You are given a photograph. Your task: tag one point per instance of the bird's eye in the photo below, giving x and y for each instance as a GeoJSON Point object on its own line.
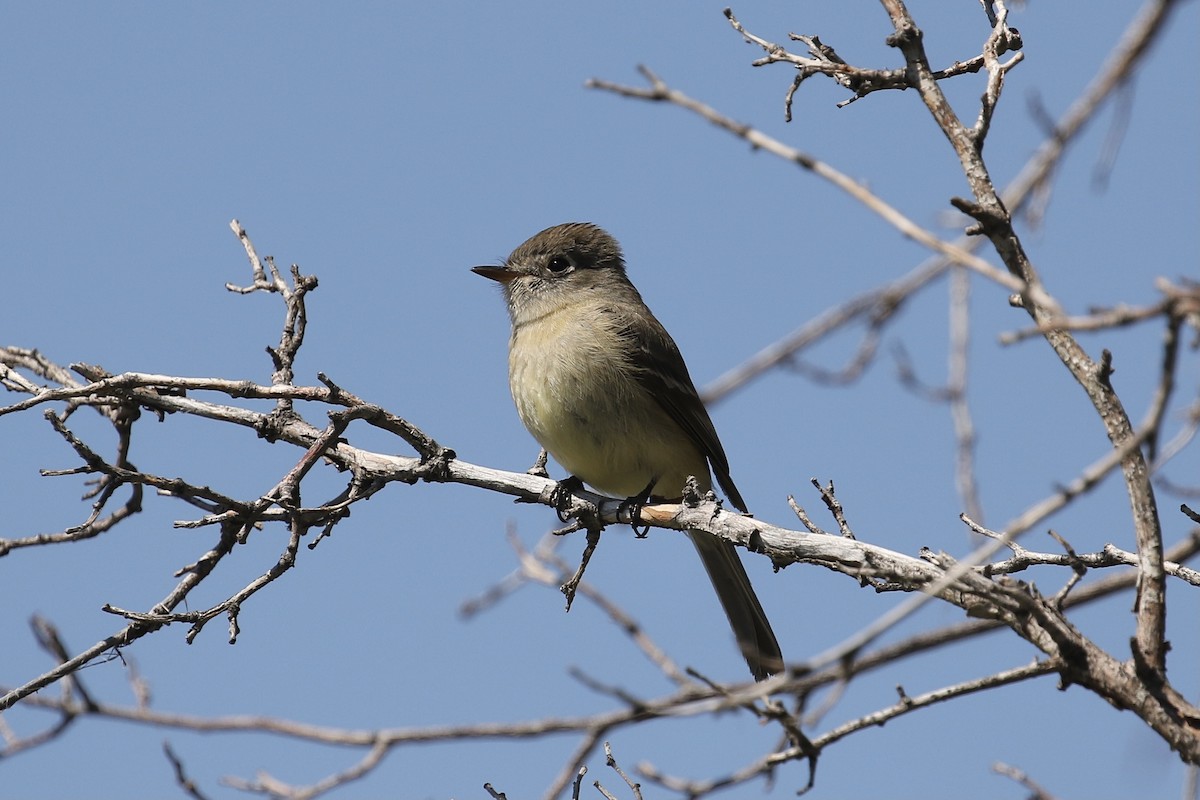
{"type": "Point", "coordinates": [559, 264]}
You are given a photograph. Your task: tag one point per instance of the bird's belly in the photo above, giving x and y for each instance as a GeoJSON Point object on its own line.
{"type": "Point", "coordinates": [600, 425]}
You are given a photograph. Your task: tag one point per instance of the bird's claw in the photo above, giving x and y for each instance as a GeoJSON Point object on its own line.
{"type": "Point", "coordinates": [633, 507]}
{"type": "Point", "coordinates": [562, 496]}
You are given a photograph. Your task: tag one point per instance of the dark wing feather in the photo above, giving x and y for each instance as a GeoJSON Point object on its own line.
{"type": "Point", "coordinates": [665, 377]}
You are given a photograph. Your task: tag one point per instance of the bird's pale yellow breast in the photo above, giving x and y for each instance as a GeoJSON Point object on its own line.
{"type": "Point", "coordinates": [572, 381]}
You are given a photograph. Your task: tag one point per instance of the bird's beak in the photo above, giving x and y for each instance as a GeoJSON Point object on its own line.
{"type": "Point", "coordinates": [503, 274]}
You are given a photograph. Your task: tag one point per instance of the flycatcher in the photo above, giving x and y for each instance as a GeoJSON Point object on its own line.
{"type": "Point", "coordinates": [601, 385]}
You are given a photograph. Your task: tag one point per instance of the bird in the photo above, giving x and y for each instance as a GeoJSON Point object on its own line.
{"type": "Point", "coordinates": [603, 388]}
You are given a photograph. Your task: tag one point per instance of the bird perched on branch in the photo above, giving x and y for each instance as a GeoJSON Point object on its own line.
{"type": "Point", "coordinates": [603, 388]}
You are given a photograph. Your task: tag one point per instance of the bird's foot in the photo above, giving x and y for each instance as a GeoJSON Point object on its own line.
{"type": "Point", "coordinates": [562, 495]}
{"type": "Point", "coordinates": [633, 507]}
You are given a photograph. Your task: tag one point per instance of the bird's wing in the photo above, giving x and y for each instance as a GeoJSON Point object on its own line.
{"type": "Point", "coordinates": [665, 377]}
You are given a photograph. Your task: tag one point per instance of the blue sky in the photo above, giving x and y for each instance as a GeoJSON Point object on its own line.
{"type": "Point", "coordinates": [387, 149]}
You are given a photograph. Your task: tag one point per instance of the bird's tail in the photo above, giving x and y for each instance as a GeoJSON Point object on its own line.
{"type": "Point", "coordinates": [746, 616]}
